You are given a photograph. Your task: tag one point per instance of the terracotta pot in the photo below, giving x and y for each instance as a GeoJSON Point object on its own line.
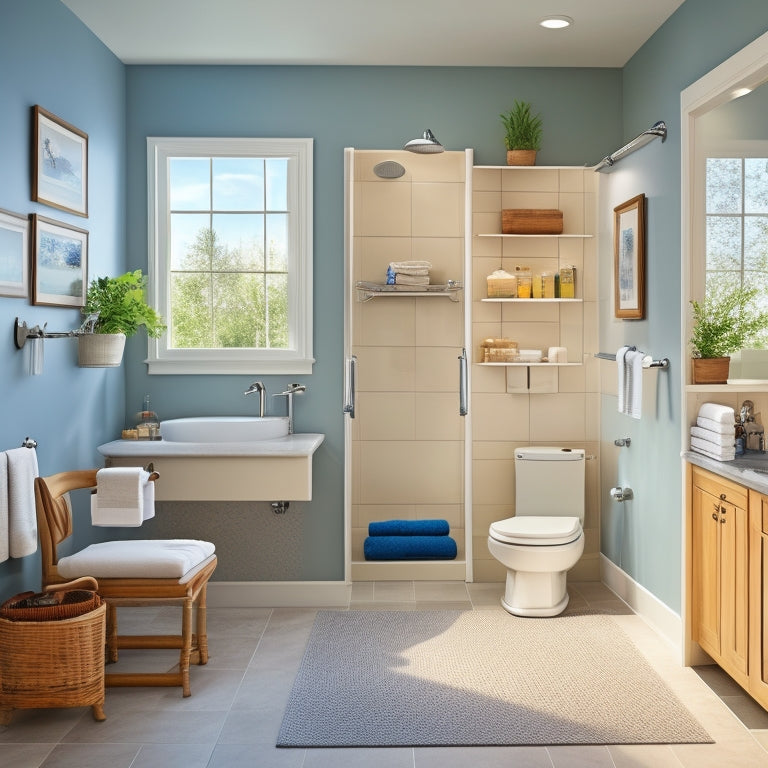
{"type": "Point", "coordinates": [100, 350]}
{"type": "Point", "coordinates": [710, 370]}
{"type": "Point", "coordinates": [521, 157]}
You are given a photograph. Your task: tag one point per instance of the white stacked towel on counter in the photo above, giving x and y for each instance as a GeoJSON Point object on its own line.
{"type": "Point", "coordinates": [629, 365]}
{"type": "Point", "coordinates": [714, 434]}
{"type": "Point", "coordinates": [125, 496]}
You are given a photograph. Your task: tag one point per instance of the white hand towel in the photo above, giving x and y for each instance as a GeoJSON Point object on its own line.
{"type": "Point", "coordinates": [716, 438]}
{"type": "Point", "coordinates": [634, 361]}
{"type": "Point", "coordinates": [22, 519]}
{"type": "Point", "coordinates": [124, 497]}
{"type": "Point", "coordinates": [716, 426]}
{"type": "Point", "coordinates": [720, 413]}
{"type": "Point", "coordinates": [710, 449]}
{"type": "Point", "coordinates": [622, 374]}
{"type": "Point", "coordinates": [4, 546]}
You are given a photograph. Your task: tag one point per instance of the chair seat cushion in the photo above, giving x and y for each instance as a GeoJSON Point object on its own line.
{"type": "Point", "coordinates": [142, 558]}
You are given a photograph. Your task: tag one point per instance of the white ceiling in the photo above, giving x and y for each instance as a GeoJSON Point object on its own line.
{"type": "Point", "coordinates": [497, 33]}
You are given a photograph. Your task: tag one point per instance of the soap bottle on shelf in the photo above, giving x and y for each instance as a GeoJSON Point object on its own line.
{"type": "Point", "coordinates": [147, 423]}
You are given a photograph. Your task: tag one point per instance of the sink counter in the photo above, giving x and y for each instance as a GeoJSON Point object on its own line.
{"type": "Point", "coordinates": [279, 469]}
{"type": "Point", "coordinates": [749, 470]}
{"type": "Point", "coordinates": [303, 444]}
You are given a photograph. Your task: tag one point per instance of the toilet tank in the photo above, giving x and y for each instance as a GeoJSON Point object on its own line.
{"type": "Point", "coordinates": [549, 481]}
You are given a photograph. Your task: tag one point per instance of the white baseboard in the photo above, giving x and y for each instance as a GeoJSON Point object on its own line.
{"type": "Point", "coordinates": [278, 594]}
{"type": "Point", "coordinates": [660, 616]}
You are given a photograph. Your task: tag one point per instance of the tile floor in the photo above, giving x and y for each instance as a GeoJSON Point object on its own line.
{"type": "Point", "coordinates": [234, 713]}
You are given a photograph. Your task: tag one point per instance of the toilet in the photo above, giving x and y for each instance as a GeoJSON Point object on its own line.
{"type": "Point", "coordinates": [545, 538]}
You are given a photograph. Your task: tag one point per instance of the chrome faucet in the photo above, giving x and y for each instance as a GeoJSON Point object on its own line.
{"type": "Point", "coordinates": [259, 387]}
{"type": "Point", "coordinates": [293, 389]}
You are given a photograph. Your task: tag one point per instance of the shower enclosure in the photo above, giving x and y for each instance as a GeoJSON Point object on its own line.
{"type": "Point", "coordinates": [407, 431]}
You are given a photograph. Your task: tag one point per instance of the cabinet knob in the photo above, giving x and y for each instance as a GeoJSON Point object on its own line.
{"type": "Point", "coordinates": [714, 516]}
{"type": "Point", "coordinates": [723, 497]}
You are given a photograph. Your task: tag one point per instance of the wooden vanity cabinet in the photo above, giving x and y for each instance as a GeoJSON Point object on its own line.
{"type": "Point", "coordinates": [758, 597]}
{"type": "Point", "coordinates": [720, 573]}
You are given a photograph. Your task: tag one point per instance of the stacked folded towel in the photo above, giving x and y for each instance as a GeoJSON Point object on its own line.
{"type": "Point", "coordinates": [408, 273]}
{"type": "Point", "coordinates": [409, 540]}
{"type": "Point", "coordinates": [714, 434]}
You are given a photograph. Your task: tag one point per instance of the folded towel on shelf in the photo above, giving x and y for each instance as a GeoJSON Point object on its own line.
{"type": "Point", "coordinates": [716, 426]}
{"type": "Point", "coordinates": [409, 528]}
{"type": "Point", "coordinates": [409, 548]}
{"type": "Point", "coordinates": [22, 518]}
{"type": "Point", "coordinates": [716, 438]}
{"type": "Point", "coordinates": [722, 414]}
{"type": "Point", "coordinates": [411, 267]}
{"type": "Point", "coordinates": [711, 450]}
{"type": "Point", "coordinates": [125, 496]}
{"type": "Point", "coordinates": [4, 545]}
{"type": "Point", "coordinates": [401, 279]}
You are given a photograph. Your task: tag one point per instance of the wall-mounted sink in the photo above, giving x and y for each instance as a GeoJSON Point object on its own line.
{"type": "Point", "coordinates": [224, 429]}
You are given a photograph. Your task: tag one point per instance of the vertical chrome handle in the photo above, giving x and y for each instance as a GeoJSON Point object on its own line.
{"type": "Point", "coordinates": [349, 389]}
{"type": "Point", "coordinates": [463, 383]}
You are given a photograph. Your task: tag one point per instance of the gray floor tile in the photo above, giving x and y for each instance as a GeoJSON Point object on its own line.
{"type": "Point", "coordinates": [25, 755]}
{"type": "Point", "coordinates": [92, 756]}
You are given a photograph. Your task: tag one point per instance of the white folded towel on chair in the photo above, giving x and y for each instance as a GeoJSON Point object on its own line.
{"type": "Point", "coordinates": [716, 438]}
{"type": "Point", "coordinates": [124, 496]}
{"type": "Point", "coordinates": [722, 414]}
{"type": "Point", "coordinates": [716, 426]}
{"type": "Point", "coordinates": [711, 450]}
{"type": "Point", "coordinates": [22, 518]}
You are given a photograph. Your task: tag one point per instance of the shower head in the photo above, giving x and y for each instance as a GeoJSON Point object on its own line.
{"type": "Point", "coordinates": [426, 145]}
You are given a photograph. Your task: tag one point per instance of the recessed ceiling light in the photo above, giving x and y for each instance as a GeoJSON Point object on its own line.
{"type": "Point", "coordinates": [739, 92]}
{"type": "Point", "coordinates": [556, 22]}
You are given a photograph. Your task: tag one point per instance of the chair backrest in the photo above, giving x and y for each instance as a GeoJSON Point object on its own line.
{"type": "Point", "coordinates": [54, 515]}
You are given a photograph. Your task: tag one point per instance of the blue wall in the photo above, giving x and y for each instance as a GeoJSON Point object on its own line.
{"type": "Point", "coordinates": [48, 58]}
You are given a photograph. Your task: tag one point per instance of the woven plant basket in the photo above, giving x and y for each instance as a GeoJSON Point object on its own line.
{"type": "Point", "coordinates": [53, 663]}
{"type": "Point", "coordinates": [100, 350]}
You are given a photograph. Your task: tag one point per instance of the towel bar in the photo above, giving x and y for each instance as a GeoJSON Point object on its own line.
{"type": "Point", "coordinates": [648, 361]}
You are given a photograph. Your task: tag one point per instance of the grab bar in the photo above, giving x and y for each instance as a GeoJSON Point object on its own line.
{"type": "Point", "coordinates": [648, 361]}
{"type": "Point", "coordinates": [463, 383]}
{"type": "Point", "coordinates": [349, 390]}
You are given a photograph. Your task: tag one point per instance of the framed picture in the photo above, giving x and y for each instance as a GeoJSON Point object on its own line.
{"type": "Point", "coordinates": [629, 259]}
{"type": "Point", "coordinates": [14, 255]}
{"type": "Point", "coordinates": [60, 265]}
{"type": "Point", "coordinates": [59, 163]}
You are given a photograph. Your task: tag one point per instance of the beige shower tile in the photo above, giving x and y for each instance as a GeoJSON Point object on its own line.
{"type": "Point", "coordinates": [572, 329]}
{"type": "Point", "coordinates": [494, 450]}
{"type": "Point", "coordinates": [486, 179]}
{"type": "Point", "coordinates": [444, 167]}
{"type": "Point", "coordinates": [386, 415]}
{"type": "Point", "coordinates": [438, 210]}
{"type": "Point", "coordinates": [572, 180]}
{"type": "Point", "coordinates": [446, 254]}
{"type": "Point", "coordinates": [373, 255]}
{"type": "Point", "coordinates": [493, 481]}
{"type": "Point", "coordinates": [500, 417]}
{"type": "Point", "coordinates": [437, 368]}
{"type": "Point", "coordinates": [382, 209]}
{"type": "Point", "coordinates": [542, 379]}
{"type": "Point", "coordinates": [522, 199]}
{"type": "Point", "coordinates": [486, 223]}
{"type": "Point", "coordinates": [558, 418]}
{"type": "Point", "coordinates": [532, 335]}
{"type": "Point", "coordinates": [530, 251]}
{"type": "Point", "coordinates": [592, 415]}
{"type": "Point", "coordinates": [531, 311]}
{"type": "Point", "coordinates": [437, 416]}
{"type": "Point", "coordinates": [380, 323]}
{"type": "Point", "coordinates": [486, 201]}
{"type": "Point", "coordinates": [365, 160]}
{"type": "Point", "coordinates": [531, 180]}
{"type": "Point", "coordinates": [439, 322]}
{"type": "Point", "coordinates": [572, 206]}
{"type": "Point", "coordinates": [572, 379]}
{"type": "Point", "coordinates": [487, 379]}
{"type": "Point", "coordinates": [485, 514]}
{"type": "Point", "coordinates": [385, 369]}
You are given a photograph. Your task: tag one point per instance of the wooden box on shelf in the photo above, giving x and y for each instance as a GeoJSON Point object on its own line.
{"type": "Point", "coordinates": [531, 221]}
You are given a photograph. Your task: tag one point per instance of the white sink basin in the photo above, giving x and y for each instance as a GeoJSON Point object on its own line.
{"type": "Point", "coordinates": [224, 429]}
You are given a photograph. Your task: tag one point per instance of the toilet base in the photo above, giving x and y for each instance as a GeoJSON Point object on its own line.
{"type": "Point", "coordinates": [535, 594]}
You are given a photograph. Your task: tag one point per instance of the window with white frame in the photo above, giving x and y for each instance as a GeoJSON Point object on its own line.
{"type": "Point", "coordinates": [230, 241]}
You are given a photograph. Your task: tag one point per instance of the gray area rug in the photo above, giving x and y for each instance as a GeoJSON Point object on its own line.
{"type": "Point", "coordinates": [449, 678]}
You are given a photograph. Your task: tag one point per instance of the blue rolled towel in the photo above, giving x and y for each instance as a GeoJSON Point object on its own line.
{"type": "Point", "coordinates": [409, 548]}
{"type": "Point", "coordinates": [409, 528]}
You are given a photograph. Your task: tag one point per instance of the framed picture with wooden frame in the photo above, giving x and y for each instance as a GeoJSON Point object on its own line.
{"type": "Point", "coordinates": [59, 163]}
{"type": "Point", "coordinates": [629, 259]}
{"type": "Point", "coordinates": [60, 263]}
{"type": "Point", "coordinates": [14, 255]}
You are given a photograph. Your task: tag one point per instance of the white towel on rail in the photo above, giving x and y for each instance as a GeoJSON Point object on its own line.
{"type": "Point", "coordinates": [124, 497]}
{"type": "Point", "coordinates": [4, 546]}
{"type": "Point", "coordinates": [723, 414]}
{"type": "Point", "coordinates": [716, 438]}
{"type": "Point", "coordinates": [716, 426]}
{"type": "Point", "coordinates": [621, 385]}
{"type": "Point", "coordinates": [634, 362]}
{"type": "Point", "coordinates": [22, 519]}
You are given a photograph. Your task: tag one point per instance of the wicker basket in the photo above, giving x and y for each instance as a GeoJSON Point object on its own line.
{"type": "Point", "coordinates": [531, 221]}
{"type": "Point", "coordinates": [54, 663]}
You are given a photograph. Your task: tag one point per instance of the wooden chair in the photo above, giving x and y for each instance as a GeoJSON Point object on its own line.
{"type": "Point", "coordinates": [116, 565]}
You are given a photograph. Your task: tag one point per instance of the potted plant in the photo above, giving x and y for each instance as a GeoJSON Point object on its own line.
{"type": "Point", "coordinates": [121, 308]}
{"type": "Point", "coordinates": [726, 321]}
{"type": "Point", "coordinates": [523, 132]}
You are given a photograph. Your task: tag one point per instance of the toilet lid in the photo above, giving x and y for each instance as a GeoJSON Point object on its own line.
{"type": "Point", "coordinates": [533, 530]}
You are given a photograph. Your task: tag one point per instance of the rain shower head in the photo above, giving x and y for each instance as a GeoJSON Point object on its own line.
{"type": "Point", "coordinates": [426, 145]}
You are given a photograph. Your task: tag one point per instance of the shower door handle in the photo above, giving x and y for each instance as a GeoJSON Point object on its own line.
{"type": "Point", "coordinates": [463, 383]}
{"type": "Point", "coordinates": [349, 389]}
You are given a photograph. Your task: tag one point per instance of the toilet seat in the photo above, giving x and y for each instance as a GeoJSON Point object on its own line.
{"type": "Point", "coordinates": [533, 530]}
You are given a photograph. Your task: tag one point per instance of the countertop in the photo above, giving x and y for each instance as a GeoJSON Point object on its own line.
{"type": "Point", "coordinates": [749, 469]}
{"type": "Point", "coordinates": [304, 444]}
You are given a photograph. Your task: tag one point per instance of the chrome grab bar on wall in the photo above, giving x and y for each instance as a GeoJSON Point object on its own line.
{"type": "Point", "coordinates": [463, 383]}
{"type": "Point", "coordinates": [657, 129]}
{"type": "Point", "coordinates": [648, 361]}
{"type": "Point", "coordinates": [349, 389]}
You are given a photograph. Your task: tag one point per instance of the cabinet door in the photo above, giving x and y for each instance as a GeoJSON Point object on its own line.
{"type": "Point", "coordinates": [705, 558]}
{"type": "Point", "coordinates": [734, 604]}
{"type": "Point", "coordinates": [758, 597]}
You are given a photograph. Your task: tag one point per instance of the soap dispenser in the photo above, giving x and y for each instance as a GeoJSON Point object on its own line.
{"type": "Point", "coordinates": [147, 423]}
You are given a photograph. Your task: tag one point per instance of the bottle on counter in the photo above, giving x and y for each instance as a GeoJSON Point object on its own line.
{"type": "Point", "coordinates": [147, 423]}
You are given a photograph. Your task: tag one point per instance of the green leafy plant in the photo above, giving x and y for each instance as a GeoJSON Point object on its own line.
{"type": "Point", "coordinates": [121, 305]}
{"type": "Point", "coordinates": [523, 129]}
{"type": "Point", "coordinates": [727, 320]}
